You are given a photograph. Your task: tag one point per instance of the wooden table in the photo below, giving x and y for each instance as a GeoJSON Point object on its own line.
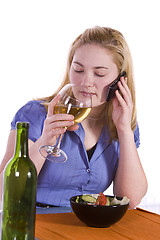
{"type": "Point", "coordinates": [136, 224]}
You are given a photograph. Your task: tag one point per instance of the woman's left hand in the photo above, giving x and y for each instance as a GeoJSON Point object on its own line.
{"type": "Point", "coordinates": [122, 107]}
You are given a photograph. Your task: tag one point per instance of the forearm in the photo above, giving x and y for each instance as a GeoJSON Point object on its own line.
{"type": "Point", "coordinates": [35, 155]}
{"type": "Point", "coordinates": [1, 185]}
{"type": "Point", "coordinates": [130, 179]}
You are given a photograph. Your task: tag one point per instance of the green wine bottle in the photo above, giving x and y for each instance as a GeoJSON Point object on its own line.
{"type": "Point", "coordinates": [19, 193]}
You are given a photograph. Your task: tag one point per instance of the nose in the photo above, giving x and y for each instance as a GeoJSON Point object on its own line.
{"type": "Point", "coordinates": [88, 80]}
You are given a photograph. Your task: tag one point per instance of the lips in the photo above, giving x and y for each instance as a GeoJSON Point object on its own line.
{"type": "Point", "coordinates": [87, 91]}
{"type": "Point", "coordinates": [86, 94]}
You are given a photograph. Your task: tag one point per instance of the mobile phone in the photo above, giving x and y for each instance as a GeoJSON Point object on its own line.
{"type": "Point", "coordinates": [114, 86]}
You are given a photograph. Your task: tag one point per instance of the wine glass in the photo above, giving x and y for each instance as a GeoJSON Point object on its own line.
{"type": "Point", "coordinates": [77, 101]}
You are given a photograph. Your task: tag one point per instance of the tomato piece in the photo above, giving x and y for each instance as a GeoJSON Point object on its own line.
{"type": "Point", "coordinates": [101, 200]}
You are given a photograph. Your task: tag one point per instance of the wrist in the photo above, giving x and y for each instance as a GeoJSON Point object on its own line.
{"type": "Point", "coordinates": [125, 133]}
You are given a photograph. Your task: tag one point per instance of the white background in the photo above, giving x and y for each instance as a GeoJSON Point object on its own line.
{"type": "Point", "coordinates": [34, 40]}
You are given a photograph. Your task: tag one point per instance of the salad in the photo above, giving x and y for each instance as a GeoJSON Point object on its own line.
{"type": "Point", "coordinates": [101, 200]}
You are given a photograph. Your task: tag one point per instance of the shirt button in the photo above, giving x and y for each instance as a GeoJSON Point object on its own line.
{"type": "Point", "coordinates": [88, 170]}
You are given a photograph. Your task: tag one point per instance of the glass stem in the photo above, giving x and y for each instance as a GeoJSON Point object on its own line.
{"type": "Point", "coordinates": [59, 140]}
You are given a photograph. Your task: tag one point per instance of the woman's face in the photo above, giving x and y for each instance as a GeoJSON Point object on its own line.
{"type": "Point", "coordinates": [93, 67]}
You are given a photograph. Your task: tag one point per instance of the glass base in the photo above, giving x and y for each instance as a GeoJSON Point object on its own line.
{"type": "Point", "coordinates": [53, 154]}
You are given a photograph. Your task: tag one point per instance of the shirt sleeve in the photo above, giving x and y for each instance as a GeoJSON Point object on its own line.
{"type": "Point", "coordinates": [136, 136]}
{"type": "Point", "coordinates": [34, 113]}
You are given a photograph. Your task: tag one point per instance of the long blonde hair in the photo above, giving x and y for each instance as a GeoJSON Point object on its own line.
{"type": "Point", "coordinates": [113, 40]}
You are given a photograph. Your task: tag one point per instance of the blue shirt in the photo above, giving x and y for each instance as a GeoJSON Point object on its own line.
{"type": "Point", "coordinates": [57, 182]}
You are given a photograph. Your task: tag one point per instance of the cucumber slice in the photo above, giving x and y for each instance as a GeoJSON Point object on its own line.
{"type": "Point", "coordinates": [88, 198]}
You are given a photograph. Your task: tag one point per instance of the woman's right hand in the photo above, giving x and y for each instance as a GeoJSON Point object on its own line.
{"type": "Point", "coordinates": [55, 124]}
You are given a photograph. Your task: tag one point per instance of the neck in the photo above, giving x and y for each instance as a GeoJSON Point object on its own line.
{"type": "Point", "coordinates": [96, 118]}
{"type": "Point", "coordinates": [97, 113]}
{"type": "Point", "coordinates": [21, 149]}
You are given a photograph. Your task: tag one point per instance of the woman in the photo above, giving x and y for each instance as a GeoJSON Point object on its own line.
{"type": "Point", "coordinates": [101, 149]}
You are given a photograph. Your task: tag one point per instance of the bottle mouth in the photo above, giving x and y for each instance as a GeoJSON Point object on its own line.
{"type": "Point", "coordinates": [22, 125]}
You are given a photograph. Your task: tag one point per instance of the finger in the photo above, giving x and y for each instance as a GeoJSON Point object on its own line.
{"type": "Point", "coordinates": [62, 117]}
{"type": "Point", "coordinates": [124, 84]}
{"type": "Point", "coordinates": [57, 131]}
{"type": "Point", "coordinates": [125, 79]}
{"type": "Point", "coordinates": [126, 95]}
{"type": "Point", "coordinates": [73, 128]}
{"type": "Point", "coordinates": [52, 104]}
{"type": "Point", "coordinates": [121, 100]}
{"type": "Point", "coordinates": [115, 102]}
{"type": "Point", "coordinates": [61, 124]}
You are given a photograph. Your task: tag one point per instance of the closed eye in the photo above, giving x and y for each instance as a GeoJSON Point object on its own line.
{"type": "Point", "coordinates": [78, 71]}
{"type": "Point", "coordinates": [99, 75]}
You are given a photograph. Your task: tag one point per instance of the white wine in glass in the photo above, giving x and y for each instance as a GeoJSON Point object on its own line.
{"type": "Point", "coordinates": [79, 113]}
{"type": "Point", "coordinates": [77, 101]}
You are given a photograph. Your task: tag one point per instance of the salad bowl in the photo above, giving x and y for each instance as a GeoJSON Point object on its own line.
{"type": "Point", "coordinates": [100, 216]}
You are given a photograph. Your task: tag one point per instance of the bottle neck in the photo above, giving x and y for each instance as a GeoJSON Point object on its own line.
{"type": "Point", "coordinates": [21, 149]}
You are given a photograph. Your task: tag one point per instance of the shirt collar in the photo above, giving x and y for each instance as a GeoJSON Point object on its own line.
{"type": "Point", "coordinates": [104, 137]}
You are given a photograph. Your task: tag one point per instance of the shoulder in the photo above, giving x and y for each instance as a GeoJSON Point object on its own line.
{"type": "Point", "coordinates": [33, 106]}
{"type": "Point", "coordinates": [31, 112]}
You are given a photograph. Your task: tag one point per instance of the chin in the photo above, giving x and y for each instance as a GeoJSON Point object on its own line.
{"type": "Point", "coordinates": [101, 104]}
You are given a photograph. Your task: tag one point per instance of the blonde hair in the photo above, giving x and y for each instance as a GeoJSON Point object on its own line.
{"type": "Point", "coordinates": [114, 41]}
